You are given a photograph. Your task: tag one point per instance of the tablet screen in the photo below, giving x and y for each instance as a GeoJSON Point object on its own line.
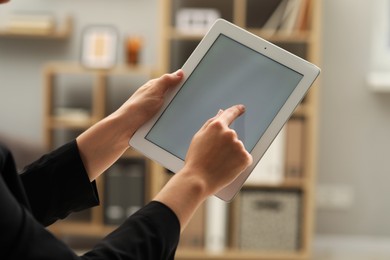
{"type": "Point", "coordinates": [230, 73]}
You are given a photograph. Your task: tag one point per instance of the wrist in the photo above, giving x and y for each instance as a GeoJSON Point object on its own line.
{"type": "Point", "coordinates": [183, 194]}
{"type": "Point", "coordinates": [124, 125]}
{"type": "Point", "coordinates": [196, 185]}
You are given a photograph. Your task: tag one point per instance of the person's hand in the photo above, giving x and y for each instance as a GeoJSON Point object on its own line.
{"type": "Point", "coordinates": [103, 143]}
{"type": "Point", "coordinates": [216, 154]}
{"type": "Point", "coordinates": [149, 98]}
{"type": "Point", "coordinates": [215, 158]}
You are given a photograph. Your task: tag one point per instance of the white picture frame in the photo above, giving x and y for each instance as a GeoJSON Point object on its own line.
{"type": "Point", "coordinates": [99, 47]}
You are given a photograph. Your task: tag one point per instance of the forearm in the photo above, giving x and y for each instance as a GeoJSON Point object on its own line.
{"type": "Point", "coordinates": [184, 193]}
{"type": "Point", "coordinates": [103, 143]}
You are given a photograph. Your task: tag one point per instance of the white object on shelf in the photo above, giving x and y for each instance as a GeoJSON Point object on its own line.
{"type": "Point", "coordinates": [196, 20]}
{"type": "Point", "coordinates": [270, 169]}
{"type": "Point", "coordinates": [72, 114]}
{"type": "Point", "coordinates": [216, 225]}
{"type": "Point", "coordinates": [379, 81]}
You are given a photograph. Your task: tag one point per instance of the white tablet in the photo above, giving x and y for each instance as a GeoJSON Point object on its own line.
{"type": "Point", "coordinates": [229, 66]}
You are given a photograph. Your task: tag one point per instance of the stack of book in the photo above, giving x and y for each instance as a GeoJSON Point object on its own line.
{"type": "Point", "coordinates": [284, 158]}
{"type": "Point", "coordinates": [124, 190]}
{"type": "Point", "coordinates": [285, 16]}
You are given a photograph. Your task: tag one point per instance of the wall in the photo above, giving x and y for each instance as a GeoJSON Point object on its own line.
{"type": "Point", "coordinates": [354, 124]}
{"type": "Point", "coordinates": [21, 60]}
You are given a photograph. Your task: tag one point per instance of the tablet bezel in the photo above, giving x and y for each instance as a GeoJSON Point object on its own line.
{"type": "Point", "coordinates": [308, 70]}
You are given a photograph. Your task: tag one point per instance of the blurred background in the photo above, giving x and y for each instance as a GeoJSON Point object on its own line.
{"type": "Point", "coordinates": [353, 164]}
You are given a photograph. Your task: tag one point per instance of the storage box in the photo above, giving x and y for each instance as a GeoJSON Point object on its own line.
{"type": "Point", "coordinates": [269, 220]}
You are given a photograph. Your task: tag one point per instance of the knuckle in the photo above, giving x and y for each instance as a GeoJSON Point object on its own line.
{"type": "Point", "coordinates": [217, 125]}
{"type": "Point", "coordinates": [165, 78]}
{"type": "Point", "coordinates": [230, 136]}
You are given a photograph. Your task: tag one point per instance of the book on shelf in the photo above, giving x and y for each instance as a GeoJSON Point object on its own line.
{"type": "Point", "coordinates": [216, 225]}
{"type": "Point", "coordinates": [193, 236]}
{"type": "Point", "coordinates": [303, 16]}
{"type": "Point", "coordinates": [259, 11]}
{"type": "Point", "coordinates": [294, 147]}
{"type": "Point", "coordinates": [270, 169]}
{"type": "Point", "coordinates": [289, 16]}
{"type": "Point", "coordinates": [124, 190]}
{"type": "Point", "coordinates": [273, 23]}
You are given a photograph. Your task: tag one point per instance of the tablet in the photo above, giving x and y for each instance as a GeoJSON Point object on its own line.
{"type": "Point", "coordinates": [229, 66]}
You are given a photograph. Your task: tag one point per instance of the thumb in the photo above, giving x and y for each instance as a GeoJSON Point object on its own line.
{"type": "Point", "coordinates": [168, 81]}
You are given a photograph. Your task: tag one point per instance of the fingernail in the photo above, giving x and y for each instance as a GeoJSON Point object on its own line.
{"type": "Point", "coordinates": [241, 107]}
{"type": "Point", "coordinates": [179, 73]}
{"type": "Point", "coordinates": [219, 112]}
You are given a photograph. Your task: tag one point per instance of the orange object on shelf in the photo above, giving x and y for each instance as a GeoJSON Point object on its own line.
{"type": "Point", "coordinates": [133, 46]}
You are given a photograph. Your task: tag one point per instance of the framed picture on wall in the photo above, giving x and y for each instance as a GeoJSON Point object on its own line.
{"type": "Point", "coordinates": [99, 47]}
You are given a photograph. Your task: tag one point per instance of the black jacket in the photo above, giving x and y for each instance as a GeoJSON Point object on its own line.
{"type": "Point", "coordinates": [53, 187]}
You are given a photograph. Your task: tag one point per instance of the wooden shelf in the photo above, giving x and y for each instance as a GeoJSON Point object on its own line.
{"type": "Point", "coordinates": [288, 183]}
{"type": "Point", "coordinates": [70, 122]}
{"type": "Point", "coordinates": [189, 254]}
{"type": "Point", "coordinates": [68, 228]}
{"type": "Point", "coordinates": [295, 37]}
{"type": "Point", "coordinates": [63, 32]}
{"type": "Point", "coordinates": [77, 68]}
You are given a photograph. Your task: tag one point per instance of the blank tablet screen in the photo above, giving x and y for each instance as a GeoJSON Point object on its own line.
{"type": "Point", "coordinates": [229, 74]}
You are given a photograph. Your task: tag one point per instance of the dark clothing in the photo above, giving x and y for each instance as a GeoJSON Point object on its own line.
{"type": "Point", "coordinates": [57, 185]}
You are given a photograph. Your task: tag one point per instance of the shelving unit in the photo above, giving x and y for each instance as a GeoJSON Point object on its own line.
{"type": "Point", "coordinates": [92, 222]}
{"type": "Point", "coordinates": [176, 47]}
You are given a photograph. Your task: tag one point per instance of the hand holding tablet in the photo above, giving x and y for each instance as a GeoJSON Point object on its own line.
{"type": "Point", "coordinates": [230, 66]}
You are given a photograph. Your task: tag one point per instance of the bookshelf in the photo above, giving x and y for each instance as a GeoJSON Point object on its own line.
{"type": "Point", "coordinates": [63, 121]}
{"type": "Point", "coordinates": [303, 40]}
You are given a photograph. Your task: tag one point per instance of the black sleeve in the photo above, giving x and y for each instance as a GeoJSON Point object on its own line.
{"type": "Point", "coordinates": [152, 233]}
{"type": "Point", "coordinates": [57, 184]}
{"type": "Point", "coordinates": [21, 236]}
